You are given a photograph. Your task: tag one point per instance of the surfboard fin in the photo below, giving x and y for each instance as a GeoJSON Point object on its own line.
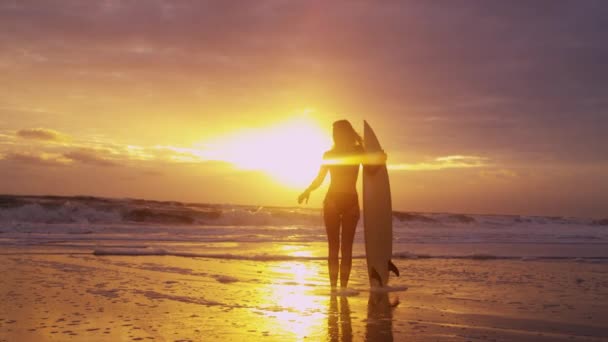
{"type": "Point", "coordinates": [393, 268]}
{"type": "Point", "coordinates": [376, 276]}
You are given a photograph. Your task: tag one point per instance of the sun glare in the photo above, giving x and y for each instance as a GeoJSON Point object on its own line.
{"type": "Point", "coordinates": [290, 152]}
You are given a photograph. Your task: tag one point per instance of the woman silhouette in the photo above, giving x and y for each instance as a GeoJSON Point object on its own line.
{"type": "Point", "coordinates": [341, 204]}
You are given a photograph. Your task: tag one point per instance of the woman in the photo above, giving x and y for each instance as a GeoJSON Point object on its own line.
{"type": "Point", "coordinates": [341, 205]}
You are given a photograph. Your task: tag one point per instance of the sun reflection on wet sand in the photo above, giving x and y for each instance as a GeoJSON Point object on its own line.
{"type": "Point", "coordinates": [339, 326]}
{"type": "Point", "coordinates": [299, 308]}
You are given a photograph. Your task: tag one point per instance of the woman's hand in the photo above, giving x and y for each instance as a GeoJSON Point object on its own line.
{"type": "Point", "coordinates": [304, 197]}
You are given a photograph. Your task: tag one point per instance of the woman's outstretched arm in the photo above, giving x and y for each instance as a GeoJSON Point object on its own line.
{"type": "Point", "coordinates": [315, 184]}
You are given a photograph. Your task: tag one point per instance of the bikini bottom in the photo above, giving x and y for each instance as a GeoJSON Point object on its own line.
{"type": "Point", "coordinates": [341, 204]}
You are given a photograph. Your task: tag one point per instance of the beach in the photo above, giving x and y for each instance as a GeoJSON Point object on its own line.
{"type": "Point", "coordinates": [87, 270]}
{"type": "Point", "coordinates": [167, 298]}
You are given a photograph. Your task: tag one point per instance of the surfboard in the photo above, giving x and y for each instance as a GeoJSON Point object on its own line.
{"type": "Point", "coordinates": [377, 211]}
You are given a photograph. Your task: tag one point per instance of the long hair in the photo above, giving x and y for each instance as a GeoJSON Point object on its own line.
{"type": "Point", "coordinates": [345, 135]}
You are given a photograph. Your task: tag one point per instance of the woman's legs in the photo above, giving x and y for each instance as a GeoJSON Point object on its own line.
{"type": "Point", "coordinates": [332, 227]}
{"type": "Point", "coordinates": [340, 211]}
{"type": "Point", "coordinates": [349, 225]}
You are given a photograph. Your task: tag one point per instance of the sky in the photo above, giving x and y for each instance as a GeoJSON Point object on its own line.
{"type": "Point", "coordinates": [482, 106]}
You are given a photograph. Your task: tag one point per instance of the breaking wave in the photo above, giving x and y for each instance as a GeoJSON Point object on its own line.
{"type": "Point", "coordinates": [96, 210]}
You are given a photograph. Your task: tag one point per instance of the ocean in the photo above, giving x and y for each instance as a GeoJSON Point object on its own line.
{"type": "Point", "coordinates": [105, 226]}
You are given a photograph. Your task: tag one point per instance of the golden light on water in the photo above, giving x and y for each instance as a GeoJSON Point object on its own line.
{"type": "Point", "coordinates": [290, 152]}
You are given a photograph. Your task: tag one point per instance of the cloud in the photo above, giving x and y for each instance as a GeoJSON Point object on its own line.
{"type": "Point", "coordinates": [91, 157]}
{"type": "Point", "coordinates": [40, 134]}
{"type": "Point", "coordinates": [440, 163]}
{"type": "Point", "coordinates": [40, 159]}
{"type": "Point", "coordinates": [177, 154]}
{"type": "Point", "coordinates": [503, 174]}
{"type": "Point", "coordinates": [23, 148]}
{"type": "Point", "coordinates": [154, 173]}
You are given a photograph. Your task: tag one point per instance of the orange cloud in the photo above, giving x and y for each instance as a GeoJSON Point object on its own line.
{"type": "Point", "coordinates": [440, 163]}
{"type": "Point", "coordinates": [90, 156]}
{"type": "Point", "coordinates": [503, 174]}
{"type": "Point", "coordinates": [41, 159]}
{"type": "Point", "coordinates": [40, 134]}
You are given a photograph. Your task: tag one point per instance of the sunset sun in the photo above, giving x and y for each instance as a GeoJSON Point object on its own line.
{"type": "Point", "coordinates": [290, 152]}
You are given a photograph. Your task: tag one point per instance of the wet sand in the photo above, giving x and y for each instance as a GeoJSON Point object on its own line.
{"type": "Point", "coordinates": [84, 297]}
